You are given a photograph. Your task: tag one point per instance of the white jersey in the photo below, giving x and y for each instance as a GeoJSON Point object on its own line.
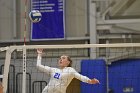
{"type": "Point", "coordinates": [60, 78]}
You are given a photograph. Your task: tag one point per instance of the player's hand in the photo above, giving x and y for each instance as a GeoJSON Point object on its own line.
{"type": "Point", "coordinates": [94, 81]}
{"type": "Point", "coordinates": [39, 51]}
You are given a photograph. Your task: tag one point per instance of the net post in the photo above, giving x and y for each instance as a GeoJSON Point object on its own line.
{"type": "Point", "coordinates": [92, 27]}
{"type": "Point", "coordinates": [6, 70]}
{"type": "Point", "coordinates": [24, 71]}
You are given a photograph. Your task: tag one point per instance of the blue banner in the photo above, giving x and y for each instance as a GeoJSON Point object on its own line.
{"type": "Point", "coordinates": [52, 22]}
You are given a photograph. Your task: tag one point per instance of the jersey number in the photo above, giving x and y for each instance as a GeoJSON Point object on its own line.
{"type": "Point", "coordinates": [57, 75]}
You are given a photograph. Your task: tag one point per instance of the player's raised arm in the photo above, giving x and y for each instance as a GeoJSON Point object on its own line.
{"type": "Point", "coordinates": [39, 65]}
{"type": "Point", "coordinates": [84, 78]}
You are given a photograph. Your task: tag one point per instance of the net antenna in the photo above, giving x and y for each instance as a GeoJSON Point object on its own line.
{"type": "Point", "coordinates": [24, 50]}
{"type": "Point", "coordinates": [127, 48]}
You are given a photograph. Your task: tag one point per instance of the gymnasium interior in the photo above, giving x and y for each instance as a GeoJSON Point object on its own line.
{"type": "Point", "coordinates": [102, 37]}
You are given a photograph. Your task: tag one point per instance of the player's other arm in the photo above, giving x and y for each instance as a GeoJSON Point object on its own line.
{"type": "Point", "coordinates": [39, 65]}
{"type": "Point", "coordinates": [85, 78]}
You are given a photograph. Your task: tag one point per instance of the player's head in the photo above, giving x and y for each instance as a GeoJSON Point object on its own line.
{"type": "Point", "coordinates": [65, 61]}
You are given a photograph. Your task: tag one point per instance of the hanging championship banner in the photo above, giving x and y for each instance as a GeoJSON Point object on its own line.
{"type": "Point", "coordinates": [52, 23]}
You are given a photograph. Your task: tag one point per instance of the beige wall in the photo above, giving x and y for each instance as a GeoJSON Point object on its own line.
{"type": "Point", "coordinates": [76, 19]}
{"type": "Point", "coordinates": [6, 19]}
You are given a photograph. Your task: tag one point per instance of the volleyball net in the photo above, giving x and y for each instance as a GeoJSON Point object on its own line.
{"type": "Point", "coordinates": [20, 75]}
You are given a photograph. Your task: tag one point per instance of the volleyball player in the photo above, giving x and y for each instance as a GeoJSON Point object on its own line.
{"type": "Point", "coordinates": [62, 76]}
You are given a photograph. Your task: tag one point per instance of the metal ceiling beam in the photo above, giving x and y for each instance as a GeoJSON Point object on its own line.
{"type": "Point", "coordinates": [118, 21]}
{"type": "Point", "coordinates": [121, 6]}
